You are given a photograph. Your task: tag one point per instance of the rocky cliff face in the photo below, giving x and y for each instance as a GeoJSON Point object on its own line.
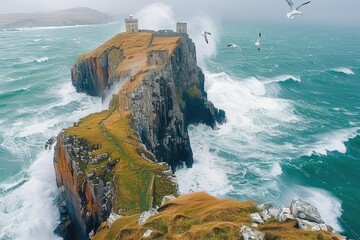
{"type": "Point", "coordinates": [87, 198]}
{"type": "Point", "coordinates": [175, 98]}
{"type": "Point", "coordinates": [105, 164]}
{"type": "Point", "coordinates": [170, 97]}
{"type": "Point", "coordinates": [94, 75]}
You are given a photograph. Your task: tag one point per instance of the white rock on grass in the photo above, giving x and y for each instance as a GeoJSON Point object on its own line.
{"type": "Point", "coordinates": [265, 215]}
{"type": "Point", "coordinates": [147, 233]}
{"type": "Point", "coordinates": [313, 226]}
{"type": "Point", "coordinates": [263, 206]}
{"type": "Point", "coordinates": [167, 198]}
{"type": "Point", "coordinates": [274, 211]}
{"type": "Point", "coordinates": [256, 218]}
{"type": "Point", "coordinates": [251, 234]}
{"type": "Point", "coordinates": [112, 218]}
{"type": "Point", "coordinates": [306, 211]}
{"type": "Point", "coordinates": [146, 215]}
{"type": "Point", "coordinates": [284, 214]}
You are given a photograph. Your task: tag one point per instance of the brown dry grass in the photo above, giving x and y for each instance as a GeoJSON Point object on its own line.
{"type": "Point", "coordinates": [201, 216]}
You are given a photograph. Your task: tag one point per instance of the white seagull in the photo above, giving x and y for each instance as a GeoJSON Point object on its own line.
{"type": "Point", "coordinates": [237, 47]}
{"type": "Point", "coordinates": [205, 33]}
{"type": "Point", "coordinates": [294, 11]}
{"type": "Point", "coordinates": [257, 43]}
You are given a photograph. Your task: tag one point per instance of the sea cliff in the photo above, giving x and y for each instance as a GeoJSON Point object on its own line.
{"type": "Point", "coordinates": [115, 168]}
{"type": "Point", "coordinates": [108, 162]}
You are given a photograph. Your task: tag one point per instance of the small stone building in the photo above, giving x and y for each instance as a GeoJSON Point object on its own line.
{"type": "Point", "coordinates": [131, 24]}
{"type": "Point", "coordinates": [181, 27]}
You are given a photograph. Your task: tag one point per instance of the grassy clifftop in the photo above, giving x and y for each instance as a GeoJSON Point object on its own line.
{"type": "Point", "coordinates": [201, 216]}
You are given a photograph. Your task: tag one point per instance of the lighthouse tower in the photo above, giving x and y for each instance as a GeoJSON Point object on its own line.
{"type": "Point", "coordinates": [131, 24]}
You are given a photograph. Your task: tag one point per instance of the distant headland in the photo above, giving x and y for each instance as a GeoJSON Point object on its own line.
{"type": "Point", "coordinates": [67, 17]}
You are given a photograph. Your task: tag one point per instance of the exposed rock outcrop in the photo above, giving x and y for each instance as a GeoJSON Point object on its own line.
{"type": "Point", "coordinates": [106, 162]}
{"type": "Point", "coordinates": [175, 98]}
{"type": "Point", "coordinates": [169, 98]}
{"type": "Point", "coordinates": [88, 200]}
{"type": "Point", "coordinates": [94, 75]}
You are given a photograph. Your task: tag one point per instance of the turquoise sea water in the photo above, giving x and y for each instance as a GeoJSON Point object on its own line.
{"type": "Point", "coordinates": [293, 125]}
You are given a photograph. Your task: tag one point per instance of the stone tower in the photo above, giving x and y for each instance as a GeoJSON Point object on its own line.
{"type": "Point", "coordinates": [131, 24]}
{"type": "Point", "coordinates": [181, 27]}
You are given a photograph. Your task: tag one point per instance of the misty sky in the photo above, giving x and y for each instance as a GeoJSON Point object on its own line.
{"type": "Point", "coordinates": [321, 11]}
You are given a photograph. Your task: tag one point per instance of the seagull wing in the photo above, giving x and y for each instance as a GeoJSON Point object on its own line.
{"type": "Point", "coordinates": [303, 5]}
{"type": "Point", "coordinates": [258, 39]}
{"type": "Point", "coordinates": [208, 33]}
{"type": "Point", "coordinates": [291, 4]}
{"type": "Point", "coordinates": [206, 39]}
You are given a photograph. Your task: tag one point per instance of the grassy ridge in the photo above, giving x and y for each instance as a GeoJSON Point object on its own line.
{"type": "Point", "coordinates": [201, 216]}
{"type": "Point", "coordinates": [132, 176]}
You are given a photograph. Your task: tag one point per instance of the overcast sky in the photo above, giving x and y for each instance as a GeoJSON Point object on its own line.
{"type": "Point", "coordinates": [321, 11]}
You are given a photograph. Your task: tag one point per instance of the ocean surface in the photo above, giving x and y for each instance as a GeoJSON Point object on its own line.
{"type": "Point", "coordinates": [293, 111]}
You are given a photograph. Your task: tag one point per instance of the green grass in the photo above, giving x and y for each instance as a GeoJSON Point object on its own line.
{"type": "Point", "coordinates": [132, 175]}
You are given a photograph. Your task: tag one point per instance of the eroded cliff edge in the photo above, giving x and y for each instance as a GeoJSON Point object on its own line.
{"type": "Point", "coordinates": [170, 96]}
{"type": "Point", "coordinates": [107, 163]}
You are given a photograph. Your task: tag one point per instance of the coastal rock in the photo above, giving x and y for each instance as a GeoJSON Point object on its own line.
{"type": "Point", "coordinates": [274, 212]}
{"type": "Point", "coordinates": [170, 97]}
{"type": "Point", "coordinates": [147, 233]}
{"type": "Point", "coordinates": [256, 218]}
{"type": "Point", "coordinates": [167, 198]}
{"type": "Point", "coordinates": [94, 75]}
{"type": "Point", "coordinates": [146, 215]}
{"type": "Point", "coordinates": [265, 215]}
{"type": "Point", "coordinates": [251, 234]}
{"type": "Point", "coordinates": [312, 226]}
{"type": "Point", "coordinates": [263, 206]}
{"type": "Point", "coordinates": [174, 98]}
{"type": "Point", "coordinates": [284, 214]}
{"type": "Point", "coordinates": [112, 218]}
{"type": "Point", "coordinates": [304, 210]}
{"type": "Point", "coordinates": [88, 201]}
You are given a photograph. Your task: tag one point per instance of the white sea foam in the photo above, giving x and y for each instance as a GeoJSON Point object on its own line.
{"type": "Point", "coordinates": [42, 59]}
{"type": "Point", "coordinates": [328, 205]}
{"type": "Point", "coordinates": [46, 121]}
{"type": "Point", "coordinates": [45, 28]}
{"type": "Point", "coordinates": [27, 209]}
{"type": "Point", "coordinates": [29, 212]}
{"type": "Point", "coordinates": [207, 174]}
{"type": "Point", "coordinates": [281, 78]}
{"type": "Point", "coordinates": [344, 70]}
{"type": "Point", "coordinates": [253, 120]}
{"type": "Point", "coordinates": [111, 91]}
{"type": "Point", "coordinates": [333, 141]}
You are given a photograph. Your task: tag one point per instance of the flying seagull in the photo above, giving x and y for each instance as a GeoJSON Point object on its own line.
{"type": "Point", "coordinates": [294, 11]}
{"type": "Point", "coordinates": [257, 43]}
{"type": "Point", "coordinates": [237, 47]}
{"type": "Point", "coordinates": [205, 33]}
